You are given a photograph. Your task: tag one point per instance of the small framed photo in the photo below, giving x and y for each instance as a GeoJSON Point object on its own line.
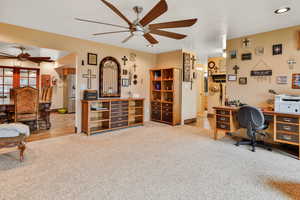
{"type": "Point", "coordinates": [246, 56]}
{"type": "Point", "coordinates": [92, 59]}
{"type": "Point", "coordinates": [232, 77]}
{"type": "Point", "coordinates": [281, 80]}
{"type": "Point", "coordinates": [277, 49]}
{"type": "Point", "coordinates": [259, 51]}
{"type": "Point", "coordinates": [233, 54]}
{"type": "Point", "coordinates": [125, 82]}
{"type": "Point", "coordinates": [243, 80]}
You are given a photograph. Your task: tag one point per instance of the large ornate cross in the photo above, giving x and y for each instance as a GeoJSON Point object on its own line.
{"type": "Point", "coordinates": [89, 76]}
{"type": "Point", "coordinates": [236, 68]}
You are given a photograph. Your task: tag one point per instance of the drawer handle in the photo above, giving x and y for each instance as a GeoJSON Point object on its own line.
{"type": "Point", "coordinates": [287, 119]}
{"type": "Point", "coordinates": [288, 128]}
{"type": "Point", "coordinates": [223, 119]}
{"type": "Point", "coordinates": [223, 126]}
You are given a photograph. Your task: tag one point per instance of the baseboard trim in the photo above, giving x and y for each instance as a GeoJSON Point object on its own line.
{"type": "Point", "coordinates": [190, 121]}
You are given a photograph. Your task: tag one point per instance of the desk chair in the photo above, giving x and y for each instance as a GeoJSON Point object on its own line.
{"type": "Point", "coordinates": [253, 120]}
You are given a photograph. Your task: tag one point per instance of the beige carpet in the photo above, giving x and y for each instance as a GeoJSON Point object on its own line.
{"type": "Point", "coordinates": [155, 162]}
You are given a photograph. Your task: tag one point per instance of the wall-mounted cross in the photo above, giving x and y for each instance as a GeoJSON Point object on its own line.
{"type": "Point", "coordinates": [125, 59]}
{"type": "Point", "coordinates": [246, 42]}
{"type": "Point", "coordinates": [236, 68]}
{"type": "Point", "coordinates": [89, 76]}
{"type": "Point", "coordinates": [193, 61]}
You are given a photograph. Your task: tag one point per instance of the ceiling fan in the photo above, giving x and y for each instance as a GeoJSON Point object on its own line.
{"type": "Point", "coordinates": [142, 26]}
{"type": "Point", "coordinates": [25, 56]}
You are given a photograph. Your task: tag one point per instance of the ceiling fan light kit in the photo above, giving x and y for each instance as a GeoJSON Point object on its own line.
{"type": "Point", "coordinates": [142, 27]}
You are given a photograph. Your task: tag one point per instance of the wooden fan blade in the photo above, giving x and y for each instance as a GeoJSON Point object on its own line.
{"type": "Point", "coordinates": [128, 38]}
{"type": "Point", "coordinates": [96, 22]}
{"type": "Point", "coordinates": [168, 34]}
{"type": "Point", "coordinates": [117, 12]}
{"type": "Point", "coordinates": [150, 38]}
{"type": "Point", "coordinates": [111, 32]}
{"type": "Point", "coordinates": [174, 24]}
{"type": "Point", "coordinates": [8, 57]}
{"type": "Point", "coordinates": [41, 58]}
{"type": "Point", "coordinates": [155, 12]}
{"type": "Point", "coordinates": [34, 60]}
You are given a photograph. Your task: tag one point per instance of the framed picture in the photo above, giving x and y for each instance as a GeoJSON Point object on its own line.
{"type": "Point", "coordinates": [186, 67]}
{"type": "Point", "coordinates": [233, 54]}
{"type": "Point", "coordinates": [243, 80]}
{"type": "Point", "coordinates": [277, 49]}
{"type": "Point", "coordinates": [281, 80]}
{"type": "Point", "coordinates": [125, 82]}
{"type": "Point", "coordinates": [232, 77]}
{"type": "Point", "coordinates": [92, 59]}
{"type": "Point", "coordinates": [259, 51]}
{"type": "Point", "coordinates": [246, 56]}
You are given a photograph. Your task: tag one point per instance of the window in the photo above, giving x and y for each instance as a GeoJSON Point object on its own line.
{"type": "Point", "coordinates": [13, 77]}
{"type": "Point", "coordinates": [6, 81]}
{"type": "Point", "coordinates": [28, 78]}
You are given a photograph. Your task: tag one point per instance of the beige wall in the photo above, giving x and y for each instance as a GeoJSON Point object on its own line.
{"type": "Point", "coordinates": [256, 91]}
{"type": "Point", "coordinates": [20, 35]}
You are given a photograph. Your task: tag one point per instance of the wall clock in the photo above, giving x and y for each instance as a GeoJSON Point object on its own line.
{"type": "Point", "coordinates": [211, 64]}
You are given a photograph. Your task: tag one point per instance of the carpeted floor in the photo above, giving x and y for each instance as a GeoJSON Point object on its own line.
{"type": "Point", "coordinates": [155, 162]}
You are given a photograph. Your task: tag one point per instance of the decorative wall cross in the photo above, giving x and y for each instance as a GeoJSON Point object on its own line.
{"type": "Point", "coordinates": [246, 42]}
{"type": "Point", "coordinates": [134, 67]}
{"type": "Point", "coordinates": [236, 68]}
{"type": "Point", "coordinates": [125, 59]}
{"type": "Point", "coordinates": [89, 76]}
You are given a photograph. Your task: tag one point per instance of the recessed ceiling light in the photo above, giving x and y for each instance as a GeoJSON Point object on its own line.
{"type": "Point", "coordinates": [150, 45]}
{"type": "Point", "coordinates": [282, 10]}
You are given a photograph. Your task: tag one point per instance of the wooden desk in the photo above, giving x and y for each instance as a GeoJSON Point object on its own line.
{"type": "Point", "coordinates": [284, 127]}
{"type": "Point", "coordinates": [7, 105]}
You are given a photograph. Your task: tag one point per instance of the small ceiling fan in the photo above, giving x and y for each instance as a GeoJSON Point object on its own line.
{"type": "Point", "coordinates": [25, 56]}
{"type": "Point", "coordinates": [143, 26]}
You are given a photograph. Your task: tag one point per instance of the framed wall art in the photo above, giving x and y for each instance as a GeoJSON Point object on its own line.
{"type": "Point", "coordinates": [186, 67]}
{"type": "Point", "coordinates": [259, 51]}
{"type": "Point", "coordinates": [233, 54]}
{"type": "Point", "coordinates": [281, 80]}
{"type": "Point", "coordinates": [232, 77]}
{"type": "Point", "coordinates": [246, 56]}
{"type": "Point", "coordinates": [125, 82]}
{"type": "Point", "coordinates": [243, 80]}
{"type": "Point", "coordinates": [92, 59]}
{"type": "Point", "coordinates": [277, 49]}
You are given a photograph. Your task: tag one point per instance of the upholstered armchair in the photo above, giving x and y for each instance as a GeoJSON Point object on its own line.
{"type": "Point", "coordinates": [26, 104]}
{"type": "Point", "coordinates": [13, 135]}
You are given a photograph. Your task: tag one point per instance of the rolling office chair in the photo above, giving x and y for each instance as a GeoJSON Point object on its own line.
{"type": "Point", "coordinates": [253, 120]}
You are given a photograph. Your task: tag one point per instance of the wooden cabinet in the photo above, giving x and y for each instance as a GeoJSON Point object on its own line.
{"type": "Point", "coordinates": [108, 114]}
{"type": "Point", "coordinates": [286, 129]}
{"type": "Point", "coordinates": [165, 95]}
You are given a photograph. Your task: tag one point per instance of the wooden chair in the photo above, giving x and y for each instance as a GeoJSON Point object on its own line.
{"type": "Point", "coordinates": [26, 106]}
{"type": "Point", "coordinates": [44, 114]}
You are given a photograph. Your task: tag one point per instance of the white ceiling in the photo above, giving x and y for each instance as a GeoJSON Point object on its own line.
{"type": "Point", "coordinates": [13, 49]}
{"type": "Point", "coordinates": [216, 18]}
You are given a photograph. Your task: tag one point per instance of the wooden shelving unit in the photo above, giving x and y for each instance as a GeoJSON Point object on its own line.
{"type": "Point", "coordinates": [109, 114]}
{"type": "Point", "coordinates": [165, 95]}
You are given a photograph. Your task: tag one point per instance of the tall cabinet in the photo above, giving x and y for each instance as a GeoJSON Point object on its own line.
{"type": "Point", "coordinates": [165, 96]}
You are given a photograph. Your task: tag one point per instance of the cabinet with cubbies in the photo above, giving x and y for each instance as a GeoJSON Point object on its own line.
{"type": "Point", "coordinates": [108, 114]}
{"type": "Point", "coordinates": [165, 95]}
